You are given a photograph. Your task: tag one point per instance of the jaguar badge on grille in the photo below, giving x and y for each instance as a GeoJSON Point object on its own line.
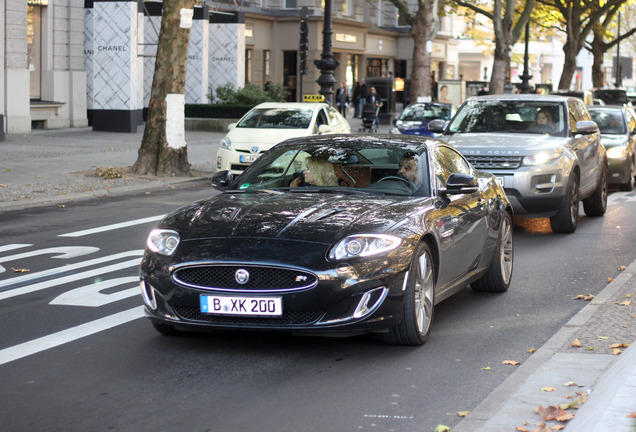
{"type": "Point", "coordinates": [242, 276]}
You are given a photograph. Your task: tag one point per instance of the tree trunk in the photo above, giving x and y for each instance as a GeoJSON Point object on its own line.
{"type": "Point", "coordinates": [163, 149]}
{"type": "Point", "coordinates": [598, 52]}
{"type": "Point", "coordinates": [421, 32]}
{"type": "Point", "coordinates": [569, 65]}
{"type": "Point", "coordinates": [500, 65]}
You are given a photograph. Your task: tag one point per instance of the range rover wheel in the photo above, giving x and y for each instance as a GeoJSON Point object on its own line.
{"type": "Point", "coordinates": [567, 218]}
{"type": "Point", "coordinates": [629, 186]}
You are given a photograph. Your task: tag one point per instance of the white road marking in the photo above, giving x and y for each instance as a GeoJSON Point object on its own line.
{"type": "Point", "coordinates": [91, 295]}
{"type": "Point", "coordinates": [13, 246]}
{"type": "Point", "coordinates": [64, 251]}
{"type": "Point", "coordinates": [65, 336]}
{"type": "Point", "coordinates": [66, 279]}
{"type": "Point", "coordinates": [20, 280]}
{"type": "Point", "coordinates": [112, 227]}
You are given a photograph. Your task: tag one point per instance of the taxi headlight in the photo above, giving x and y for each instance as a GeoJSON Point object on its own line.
{"type": "Point", "coordinates": [226, 143]}
{"type": "Point", "coordinates": [363, 245]}
{"type": "Point", "coordinates": [163, 241]}
{"type": "Point", "coordinates": [541, 158]}
{"type": "Point", "coordinates": [618, 152]}
{"type": "Point", "coordinates": [395, 130]}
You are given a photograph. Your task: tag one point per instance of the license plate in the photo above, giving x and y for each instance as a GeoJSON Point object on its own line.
{"type": "Point", "coordinates": [500, 180]}
{"type": "Point", "coordinates": [231, 305]}
{"type": "Point", "coordinates": [248, 158]}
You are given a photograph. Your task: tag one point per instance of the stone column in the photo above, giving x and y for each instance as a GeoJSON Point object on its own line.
{"type": "Point", "coordinates": [227, 49]}
{"type": "Point", "coordinates": [116, 106]}
{"type": "Point", "coordinates": [88, 57]}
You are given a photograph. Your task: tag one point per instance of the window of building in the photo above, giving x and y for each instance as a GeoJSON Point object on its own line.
{"type": "Point", "coordinates": [377, 67]}
{"type": "Point", "coordinates": [347, 7]}
{"type": "Point", "coordinates": [34, 49]}
{"type": "Point", "coordinates": [291, 4]}
{"type": "Point", "coordinates": [248, 65]}
{"type": "Point", "coordinates": [266, 56]}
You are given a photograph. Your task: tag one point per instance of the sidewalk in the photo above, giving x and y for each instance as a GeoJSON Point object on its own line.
{"type": "Point", "coordinates": [54, 166]}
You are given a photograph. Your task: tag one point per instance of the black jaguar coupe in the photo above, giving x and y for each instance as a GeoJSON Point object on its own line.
{"type": "Point", "coordinates": [335, 234]}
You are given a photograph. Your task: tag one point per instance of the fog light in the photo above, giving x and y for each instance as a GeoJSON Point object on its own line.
{"type": "Point", "coordinates": [148, 293]}
{"type": "Point", "coordinates": [370, 302]}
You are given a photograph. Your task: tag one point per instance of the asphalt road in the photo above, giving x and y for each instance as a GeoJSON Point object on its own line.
{"type": "Point", "coordinates": [76, 354]}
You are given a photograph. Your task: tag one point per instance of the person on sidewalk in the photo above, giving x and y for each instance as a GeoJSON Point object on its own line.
{"type": "Point", "coordinates": [342, 99]}
{"type": "Point", "coordinates": [357, 109]}
{"type": "Point", "coordinates": [363, 95]}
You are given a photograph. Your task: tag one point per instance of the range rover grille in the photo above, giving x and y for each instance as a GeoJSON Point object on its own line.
{"type": "Point", "coordinates": [495, 162]}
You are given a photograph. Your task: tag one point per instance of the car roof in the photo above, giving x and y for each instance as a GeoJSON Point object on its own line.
{"type": "Point", "coordinates": [606, 108]}
{"type": "Point", "coordinates": [291, 105]}
{"type": "Point", "coordinates": [522, 97]}
{"type": "Point", "coordinates": [405, 142]}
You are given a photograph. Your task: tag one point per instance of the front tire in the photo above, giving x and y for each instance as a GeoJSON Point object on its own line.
{"type": "Point", "coordinates": [419, 302]}
{"type": "Point", "coordinates": [499, 275]}
{"type": "Point", "coordinates": [567, 218]}
{"type": "Point", "coordinates": [629, 186]}
{"type": "Point", "coordinates": [596, 204]}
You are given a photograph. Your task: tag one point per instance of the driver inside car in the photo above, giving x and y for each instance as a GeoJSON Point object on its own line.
{"type": "Point", "coordinates": [409, 169]}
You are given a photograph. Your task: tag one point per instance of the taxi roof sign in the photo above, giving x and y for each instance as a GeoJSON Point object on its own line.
{"type": "Point", "coordinates": [314, 98]}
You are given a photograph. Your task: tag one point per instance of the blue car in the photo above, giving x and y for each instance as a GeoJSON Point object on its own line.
{"type": "Point", "coordinates": [415, 118]}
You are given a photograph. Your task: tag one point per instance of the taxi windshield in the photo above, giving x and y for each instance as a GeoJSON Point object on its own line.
{"type": "Point", "coordinates": [277, 118]}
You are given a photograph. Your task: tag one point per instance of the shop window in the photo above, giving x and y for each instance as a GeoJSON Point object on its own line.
{"type": "Point", "coordinates": [248, 65]}
{"type": "Point", "coordinates": [34, 49]}
{"type": "Point", "coordinates": [266, 56]}
{"type": "Point", "coordinates": [377, 68]}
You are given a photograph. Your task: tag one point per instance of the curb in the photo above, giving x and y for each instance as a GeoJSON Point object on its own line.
{"type": "Point", "coordinates": [612, 374]}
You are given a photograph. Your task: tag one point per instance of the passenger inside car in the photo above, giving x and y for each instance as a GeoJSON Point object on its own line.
{"type": "Point", "coordinates": [544, 122]}
{"type": "Point", "coordinates": [318, 172]}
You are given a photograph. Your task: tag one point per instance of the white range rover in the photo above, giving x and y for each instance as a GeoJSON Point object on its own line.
{"type": "Point", "coordinates": [545, 151]}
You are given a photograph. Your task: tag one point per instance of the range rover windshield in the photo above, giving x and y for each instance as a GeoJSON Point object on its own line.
{"type": "Point", "coordinates": [510, 116]}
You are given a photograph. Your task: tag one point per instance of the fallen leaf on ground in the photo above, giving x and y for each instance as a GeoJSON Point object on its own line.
{"type": "Point", "coordinates": [549, 389]}
{"type": "Point", "coordinates": [571, 384]}
{"type": "Point", "coordinates": [531, 350]}
{"type": "Point", "coordinates": [463, 413]}
{"type": "Point", "coordinates": [542, 428]}
{"type": "Point", "coordinates": [609, 279]}
{"type": "Point", "coordinates": [619, 345]}
{"type": "Point", "coordinates": [558, 427]}
{"type": "Point", "coordinates": [603, 337]}
{"type": "Point", "coordinates": [550, 412]}
{"type": "Point", "coordinates": [622, 268]}
{"type": "Point", "coordinates": [510, 362]}
{"type": "Point", "coordinates": [15, 270]}
{"type": "Point", "coordinates": [629, 295]}
{"type": "Point", "coordinates": [565, 418]}
{"type": "Point", "coordinates": [625, 303]}
{"type": "Point", "coordinates": [485, 368]}
{"type": "Point", "coordinates": [442, 428]}
{"type": "Point", "coordinates": [616, 351]}
{"type": "Point", "coordinates": [576, 343]}
{"type": "Point", "coordinates": [521, 429]}
{"type": "Point", "coordinates": [586, 297]}
{"type": "Point", "coordinates": [632, 415]}
{"type": "Point", "coordinates": [589, 348]}
{"type": "Point", "coordinates": [1, 185]}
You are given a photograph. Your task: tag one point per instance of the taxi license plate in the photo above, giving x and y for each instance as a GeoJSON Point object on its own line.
{"type": "Point", "coordinates": [230, 305]}
{"type": "Point", "coordinates": [248, 158]}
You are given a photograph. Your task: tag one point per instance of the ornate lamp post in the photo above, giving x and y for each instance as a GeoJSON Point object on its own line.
{"type": "Point", "coordinates": [327, 63]}
{"type": "Point", "coordinates": [526, 77]}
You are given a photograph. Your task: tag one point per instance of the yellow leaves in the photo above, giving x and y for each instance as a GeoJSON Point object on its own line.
{"type": "Point", "coordinates": [576, 343]}
{"type": "Point", "coordinates": [586, 297]}
{"type": "Point", "coordinates": [624, 303]}
{"type": "Point", "coordinates": [622, 268]}
{"type": "Point", "coordinates": [1, 185]}
{"type": "Point", "coordinates": [22, 270]}
{"type": "Point", "coordinates": [510, 362]}
{"type": "Point", "coordinates": [442, 428]}
{"type": "Point", "coordinates": [554, 413]}
{"type": "Point", "coordinates": [619, 345]}
{"type": "Point", "coordinates": [463, 414]}
{"type": "Point", "coordinates": [616, 351]}
{"type": "Point", "coordinates": [549, 389]}
{"type": "Point", "coordinates": [486, 368]}
{"type": "Point", "coordinates": [609, 280]}
{"type": "Point", "coordinates": [531, 350]}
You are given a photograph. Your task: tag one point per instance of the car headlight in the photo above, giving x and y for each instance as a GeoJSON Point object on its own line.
{"type": "Point", "coordinates": [363, 245]}
{"type": "Point", "coordinates": [226, 143]}
{"type": "Point", "coordinates": [618, 152]}
{"type": "Point", "coordinates": [395, 130]}
{"type": "Point", "coordinates": [163, 241]}
{"type": "Point", "coordinates": [541, 158]}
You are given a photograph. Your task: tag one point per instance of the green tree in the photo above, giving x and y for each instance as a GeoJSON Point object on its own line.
{"type": "Point", "coordinates": [163, 149]}
{"type": "Point", "coordinates": [508, 27]}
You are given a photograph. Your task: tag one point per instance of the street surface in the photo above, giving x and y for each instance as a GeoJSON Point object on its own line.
{"type": "Point", "coordinates": [76, 353]}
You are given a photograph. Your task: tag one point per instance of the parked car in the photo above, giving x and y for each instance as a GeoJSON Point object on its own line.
{"type": "Point", "coordinates": [414, 119]}
{"type": "Point", "coordinates": [268, 124]}
{"type": "Point", "coordinates": [612, 96]}
{"type": "Point", "coordinates": [618, 135]}
{"type": "Point", "coordinates": [585, 95]}
{"type": "Point", "coordinates": [412, 224]}
{"type": "Point", "coordinates": [544, 168]}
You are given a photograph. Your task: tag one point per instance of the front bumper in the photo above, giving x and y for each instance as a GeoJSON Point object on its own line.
{"type": "Point", "coordinates": [618, 171]}
{"type": "Point", "coordinates": [235, 161]}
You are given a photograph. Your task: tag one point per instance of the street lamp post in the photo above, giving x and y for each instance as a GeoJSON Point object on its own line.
{"type": "Point", "coordinates": [619, 72]}
{"type": "Point", "coordinates": [526, 77]}
{"type": "Point", "coordinates": [327, 63]}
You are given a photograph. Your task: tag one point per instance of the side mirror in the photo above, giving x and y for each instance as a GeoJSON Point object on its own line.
{"type": "Point", "coordinates": [459, 184]}
{"type": "Point", "coordinates": [586, 127]}
{"type": "Point", "coordinates": [222, 179]}
{"type": "Point", "coordinates": [324, 129]}
{"type": "Point", "coordinates": [395, 121]}
{"type": "Point", "coordinates": [436, 126]}
{"type": "Point", "coordinates": [231, 126]}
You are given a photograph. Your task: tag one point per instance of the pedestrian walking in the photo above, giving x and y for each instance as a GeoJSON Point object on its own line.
{"type": "Point", "coordinates": [342, 99]}
{"type": "Point", "coordinates": [356, 100]}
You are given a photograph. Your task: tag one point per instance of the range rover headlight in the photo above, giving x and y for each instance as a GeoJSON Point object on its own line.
{"type": "Point", "coordinates": [363, 245]}
{"type": "Point", "coordinates": [163, 241]}
{"type": "Point", "coordinates": [618, 152]}
{"type": "Point", "coordinates": [226, 143]}
{"type": "Point", "coordinates": [542, 158]}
